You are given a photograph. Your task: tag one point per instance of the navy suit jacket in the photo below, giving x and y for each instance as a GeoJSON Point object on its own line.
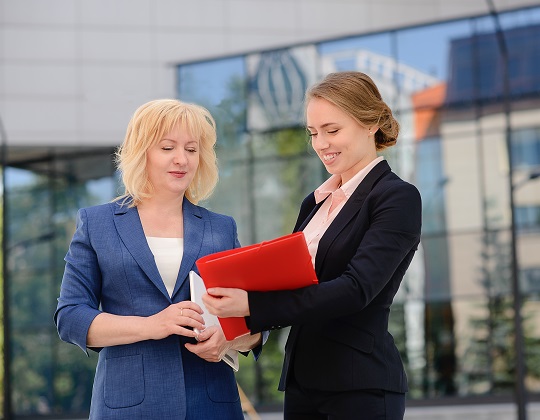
{"type": "Point", "coordinates": [339, 338]}
{"type": "Point", "coordinates": [110, 268]}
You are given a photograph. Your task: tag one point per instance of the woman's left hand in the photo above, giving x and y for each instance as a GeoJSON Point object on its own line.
{"type": "Point", "coordinates": [226, 302]}
{"type": "Point", "coordinates": [212, 344]}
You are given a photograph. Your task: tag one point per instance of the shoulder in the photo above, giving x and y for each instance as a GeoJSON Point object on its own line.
{"type": "Point", "coordinates": [392, 192]}
{"type": "Point", "coordinates": [102, 210]}
{"type": "Point", "coordinates": [391, 182]}
{"type": "Point", "coordinates": [100, 216]}
{"type": "Point", "coordinates": [217, 217]}
{"type": "Point", "coordinates": [211, 216]}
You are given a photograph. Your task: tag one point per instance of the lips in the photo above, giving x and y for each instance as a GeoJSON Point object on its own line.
{"type": "Point", "coordinates": [178, 174]}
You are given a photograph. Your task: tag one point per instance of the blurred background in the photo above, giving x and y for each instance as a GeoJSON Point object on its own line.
{"type": "Point", "coordinates": [462, 77]}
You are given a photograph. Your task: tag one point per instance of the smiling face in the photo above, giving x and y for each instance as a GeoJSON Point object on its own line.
{"type": "Point", "coordinates": [343, 145]}
{"type": "Point", "coordinates": [172, 162]}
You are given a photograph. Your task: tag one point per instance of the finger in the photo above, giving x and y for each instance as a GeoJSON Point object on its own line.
{"type": "Point", "coordinates": [187, 304]}
{"type": "Point", "coordinates": [186, 332]}
{"type": "Point", "coordinates": [210, 302]}
{"type": "Point", "coordinates": [196, 323]}
{"type": "Point", "coordinates": [206, 333]}
{"type": "Point", "coordinates": [190, 314]}
{"type": "Point", "coordinates": [217, 291]}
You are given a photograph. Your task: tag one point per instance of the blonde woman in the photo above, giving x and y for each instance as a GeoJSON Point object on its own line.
{"type": "Point", "coordinates": [125, 291]}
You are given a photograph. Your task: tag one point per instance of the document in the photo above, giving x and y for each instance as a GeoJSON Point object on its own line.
{"type": "Point", "coordinates": [283, 263]}
{"type": "Point", "coordinates": [197, 288]}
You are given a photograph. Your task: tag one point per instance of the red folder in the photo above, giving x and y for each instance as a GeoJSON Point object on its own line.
{"type": "Point", "coordinates": [283, 263]}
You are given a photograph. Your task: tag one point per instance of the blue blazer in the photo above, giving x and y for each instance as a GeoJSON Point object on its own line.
{"type": "Point", "coordinates": [110, 268]}
{"type": "Point", "coordinates": [339, 339]}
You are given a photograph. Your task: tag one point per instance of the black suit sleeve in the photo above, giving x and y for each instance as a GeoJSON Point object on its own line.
{"type": "Point", "coordinates": [384, 249]}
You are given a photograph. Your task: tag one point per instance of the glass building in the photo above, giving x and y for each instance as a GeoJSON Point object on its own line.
{"type": "Point", "coordinates": [467, 95]}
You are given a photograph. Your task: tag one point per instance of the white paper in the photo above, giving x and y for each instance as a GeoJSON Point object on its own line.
{"type": "Point", "coordinates": [197, 287]}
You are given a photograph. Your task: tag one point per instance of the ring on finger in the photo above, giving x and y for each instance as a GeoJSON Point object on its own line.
{"type": "Point", "coordinates": [181, 311]}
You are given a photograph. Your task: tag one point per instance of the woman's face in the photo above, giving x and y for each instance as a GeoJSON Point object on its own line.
{"type": "Point", "coordinates": [173, 162]}
{"type": "Point", "coordinates": [343, 145]}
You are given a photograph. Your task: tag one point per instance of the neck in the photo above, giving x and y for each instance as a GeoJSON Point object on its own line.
{"type": "Point", "coordinates": [163, 205]}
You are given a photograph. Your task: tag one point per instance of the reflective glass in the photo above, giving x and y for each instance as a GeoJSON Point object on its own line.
{"type": "Point", "coordinates": [277, 83]}
{"type": "Point", "coordinates": [48, 376]}
{"type": "Point", "coordinates": [446, 85]}
{"type": "Point", "coordinates": [281, 187]}
{"type": "Point", "coordinates": [484, 346]}
{"type": "Point", "coordinates": [531, 335]}
{"type": "Point", "coordinates": [371, 54]}
{"type": "Point", "coordinates": [219, 86]}
{"type": "Point", "coordinates": [234, 196]}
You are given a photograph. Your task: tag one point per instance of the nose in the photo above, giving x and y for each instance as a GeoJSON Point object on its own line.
{"type": "Point", "coordinates": [318, 142]}
{"type": "Point", "coordinates": [180, 157]}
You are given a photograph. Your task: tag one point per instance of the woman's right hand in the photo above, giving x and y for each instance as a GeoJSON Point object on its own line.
{"type": "Point", "coordinates": [174, 319]}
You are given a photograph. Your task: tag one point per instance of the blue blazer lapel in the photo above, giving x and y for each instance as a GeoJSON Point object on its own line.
{"type": "Point", "coordinates": [130, 230]}
{"type": "Point", "coordinates": [194, 234]}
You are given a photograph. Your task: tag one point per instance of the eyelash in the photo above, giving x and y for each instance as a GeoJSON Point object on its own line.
{"type": "Point", "coordinates": [329, 132]}
{"type": "Point", "coordinates": [168, 148]}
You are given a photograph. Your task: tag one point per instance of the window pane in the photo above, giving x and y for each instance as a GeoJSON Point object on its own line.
{"type": "Point", "coordinates": [277, 83]}
{"type": "Point", "coordinates": [48, 376]}
{"type": "Point", "coordinates": [219, 86]}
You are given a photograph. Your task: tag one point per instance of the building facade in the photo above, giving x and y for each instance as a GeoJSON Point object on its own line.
{"type": "Point", "coordinates": [463, 83]}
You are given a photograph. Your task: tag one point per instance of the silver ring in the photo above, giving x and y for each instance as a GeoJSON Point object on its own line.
{"type": "Point", "coordinates": [181, 311]}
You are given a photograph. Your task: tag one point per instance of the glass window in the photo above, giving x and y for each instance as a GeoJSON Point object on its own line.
{"type": "Point", "coordinates": [371, 54]}
{"type": "Point", "coordinates": [452, 316]}
{"type": "Point", "coordinates": [219, 86]}
{"type": "Point", "coordinates": [528, 217]}
{"type": "Point", "coordinates": [42, 197]}
{"type": "Point", "coordinates": [277, 83]}
{"type": "Point", "coordinates": [530, 280]}
{"type": "Point", "coordinates": [526, 148]}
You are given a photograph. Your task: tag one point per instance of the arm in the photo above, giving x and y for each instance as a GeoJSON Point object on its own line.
{"type": "Point", "coordinates": [111, 330]}
{"type": "Point", "coordinates": [385, 246]}
{"type": "Point", "coordinates": [79, 318]}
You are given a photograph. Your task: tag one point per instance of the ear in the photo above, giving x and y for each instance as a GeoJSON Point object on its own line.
{"type": "Point", "coordinates": [373, 129]}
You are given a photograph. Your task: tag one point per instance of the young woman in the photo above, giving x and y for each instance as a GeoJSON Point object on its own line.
{"type": "Point", "coordinates": [362, 227]}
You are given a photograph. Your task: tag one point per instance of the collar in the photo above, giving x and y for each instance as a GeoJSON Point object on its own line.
{"type": "Point", "coordinates": [332, 184]}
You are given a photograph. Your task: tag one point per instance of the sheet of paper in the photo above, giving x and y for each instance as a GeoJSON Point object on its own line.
{"type": "Point", "coordinates": [197, 288]}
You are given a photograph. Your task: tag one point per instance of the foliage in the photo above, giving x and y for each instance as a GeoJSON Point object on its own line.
{"type": "Point", "coordinates": [47, 376]}
{"type": "Point", "coordinates": [489, 358]}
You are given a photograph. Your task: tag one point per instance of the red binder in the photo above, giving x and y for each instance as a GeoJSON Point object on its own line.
{"type": "Point", "coordinates": [283, 263]}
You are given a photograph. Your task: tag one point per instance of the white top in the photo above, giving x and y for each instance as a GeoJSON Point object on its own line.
{"type": "Point", "coordinates": [168, 256]}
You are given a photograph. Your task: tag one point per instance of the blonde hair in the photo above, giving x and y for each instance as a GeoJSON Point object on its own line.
{"type": "Point", "coordinates": [148, 125]}
{"type": "Point", "coordinates": [356, 94]}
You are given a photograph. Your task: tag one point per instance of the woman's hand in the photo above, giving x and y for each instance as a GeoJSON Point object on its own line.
{"type": "Point", "coordinates": [212, 344]}
{"type": "Point", "coordinates": [226, 302]}
{"type": "Point", "coordinates": [174, 319]}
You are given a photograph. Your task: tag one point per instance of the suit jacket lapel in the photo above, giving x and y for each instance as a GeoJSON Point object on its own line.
{"type": "Point", "coordinates": [130, 230]}
{"type": "Point", "coordinates": [193, 239]}
{"type": "Point", "coordinates": [349, 210]}
{"type": "Point", "coordinates": [311, 214]}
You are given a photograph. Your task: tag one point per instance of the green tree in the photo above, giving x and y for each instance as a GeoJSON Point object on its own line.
{"type": "Point", "coordinates": [489, 358]}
